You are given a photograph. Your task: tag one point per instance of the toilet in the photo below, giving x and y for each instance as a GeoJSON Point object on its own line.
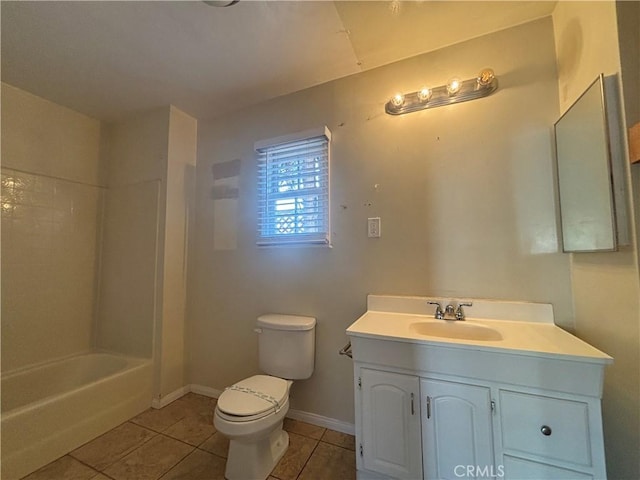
{"type": "Point", "coordinates": [251, 412]}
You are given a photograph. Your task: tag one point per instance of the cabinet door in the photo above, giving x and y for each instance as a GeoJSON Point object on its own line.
{"type": "Point", "coordinates": [390, 440]}
{"type": "Point", "coordinates": [457, 434]}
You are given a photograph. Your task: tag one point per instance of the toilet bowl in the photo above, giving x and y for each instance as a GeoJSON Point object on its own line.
{"type": "Point", "coordinates": [251, 412]}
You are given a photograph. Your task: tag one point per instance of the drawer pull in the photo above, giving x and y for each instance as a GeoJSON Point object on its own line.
{"type": "Point", "coordinates": [546, 431]}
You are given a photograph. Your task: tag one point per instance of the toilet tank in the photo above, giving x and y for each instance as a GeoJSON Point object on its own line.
{"type": "Point", "coordinates": [286, 345]}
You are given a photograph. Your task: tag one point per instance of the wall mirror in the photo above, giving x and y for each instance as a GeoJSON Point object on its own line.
{"type": "Point", "coordinates": [584, 174]}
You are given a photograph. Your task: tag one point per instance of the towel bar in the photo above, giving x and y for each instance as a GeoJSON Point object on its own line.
{"type": "Point", "coordinates": [346, 350]}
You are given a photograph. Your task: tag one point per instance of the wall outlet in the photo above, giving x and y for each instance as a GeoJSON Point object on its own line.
{"type": "Point", "coordinates": [373, 227]}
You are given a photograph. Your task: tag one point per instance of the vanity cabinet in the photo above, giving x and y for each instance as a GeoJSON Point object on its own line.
{"type": "Point", "coordinates": [523, 403]}
{"type": "Point", "coordinates": [413, 426]}
{"type": "Point", "coordinates": [456, 428]}
{"type": "Point", "coordinates": [390, 442]}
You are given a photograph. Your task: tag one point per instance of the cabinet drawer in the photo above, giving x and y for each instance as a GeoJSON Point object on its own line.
{"type": "Point", "coordinates": [528, 470]}
{"type": "Point", "coordinates": [547, 427]}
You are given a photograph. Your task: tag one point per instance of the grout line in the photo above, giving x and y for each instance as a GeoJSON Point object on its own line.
{"type": "Point", "coordinates": [79, 461]}
{"type": "Point", "coordinates": [126, 454]}
{"type": "Point", "coordinates": [136, 424]}
{"type": "Point", "coordinates": [178, 440]}
{"type": "Point", "coordinates": [308, 459]}
{"type": "Point", "coordinates": [54, 177]}
{"type": "Point", "coordinates": [117, 459]}
{"type": "Point", "coordinates": [339, 446]}
{"type": "Point", "coordinates": [211, 453]}
{"type": "Point", "coordinates": [174, 466]}
{"type": "Point", "coordinates": [102, 473]}
{"type": "Point", "coordinates": [177, 463]}
{"type": "Point", "coordinates": [158, 431]}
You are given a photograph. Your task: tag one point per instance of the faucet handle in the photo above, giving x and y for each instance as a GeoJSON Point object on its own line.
{"type": "Point", "coordinates": [439, 314]}
{"type": "Point", "coordinates": [460, 312]}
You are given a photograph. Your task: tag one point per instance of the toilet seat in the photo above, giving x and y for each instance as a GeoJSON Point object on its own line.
{"type": "Point", "coordinates": [253, 398]}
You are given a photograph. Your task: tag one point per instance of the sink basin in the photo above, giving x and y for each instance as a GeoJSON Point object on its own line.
{"type": "Point", "coordinates": [455, 329]}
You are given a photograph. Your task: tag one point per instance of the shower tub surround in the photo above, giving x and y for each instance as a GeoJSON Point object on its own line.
{"type": "Point", "coordinates": [52, 408]}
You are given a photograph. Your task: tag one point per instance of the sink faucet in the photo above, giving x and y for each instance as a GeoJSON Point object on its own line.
{"type": "Point", "coordinates": [439, 314]}
{"type": "Point", "coordinates": [449, 313]}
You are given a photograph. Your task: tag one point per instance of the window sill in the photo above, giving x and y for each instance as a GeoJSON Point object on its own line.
{"type": "Point", "coordinates": [293, 245]}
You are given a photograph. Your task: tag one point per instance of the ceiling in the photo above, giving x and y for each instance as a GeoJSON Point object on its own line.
{"type": "Point", "coordinates": [107, 59]}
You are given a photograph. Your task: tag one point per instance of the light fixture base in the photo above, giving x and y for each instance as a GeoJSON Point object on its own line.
{"type": "Point", "coordinates": [469, 90]}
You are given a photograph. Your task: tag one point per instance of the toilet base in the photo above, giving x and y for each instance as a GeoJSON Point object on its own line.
{"type": "Point", "coordinates": [256, 460]}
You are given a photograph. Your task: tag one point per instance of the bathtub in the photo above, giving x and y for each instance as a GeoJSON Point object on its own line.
{"type": "Point", "coordinates": [50, 409]}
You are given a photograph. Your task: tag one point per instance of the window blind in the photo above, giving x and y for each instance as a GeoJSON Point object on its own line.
{"type": "Point", "coordinates": [293, 189]}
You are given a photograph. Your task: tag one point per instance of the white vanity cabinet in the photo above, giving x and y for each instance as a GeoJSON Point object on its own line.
{"type": "Point", "coordinates": [390, 433]}
{"type": "Point", "coordinates": [523, 406]}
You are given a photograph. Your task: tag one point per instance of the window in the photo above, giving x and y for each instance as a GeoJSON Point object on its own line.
{"type": "Point", "coordinates": [293, 189]}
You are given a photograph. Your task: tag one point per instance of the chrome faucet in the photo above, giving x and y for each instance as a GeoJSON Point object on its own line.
{"type": "Point", "coordinates": [460, 312]}
{"type": "Point", "coordinates": [449, 313]}
{"type": "Point", "coordinates": [439, 314]}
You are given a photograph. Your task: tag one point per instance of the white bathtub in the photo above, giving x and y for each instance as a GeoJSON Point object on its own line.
{"type": "Point", "coordinates": [51, 409]}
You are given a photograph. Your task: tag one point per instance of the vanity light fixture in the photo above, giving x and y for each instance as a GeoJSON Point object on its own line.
{"type": "Point", "coordinates": [455, 91]}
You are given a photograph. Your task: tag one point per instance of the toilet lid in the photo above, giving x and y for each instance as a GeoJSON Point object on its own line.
{"type": "Point", "coordinates": [253, 396]}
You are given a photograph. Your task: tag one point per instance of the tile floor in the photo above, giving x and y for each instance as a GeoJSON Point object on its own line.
{"type": "Point", "coordinates": [179, 441]}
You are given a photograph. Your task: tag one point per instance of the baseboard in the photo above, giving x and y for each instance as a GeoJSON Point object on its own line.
{"type": "Point", "coordinates": [206, 391]}
{"type": "Point", "coordinates": [312, 418]}
{"type": "Point", "coordinates": [322, 421]}
{"type": "Point", "coordinates": [362, 475]}
{"type": "Point", "coordinates": [167, 399]}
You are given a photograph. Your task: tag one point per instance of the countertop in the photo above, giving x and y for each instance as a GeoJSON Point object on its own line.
{"type": "Point", "coordinates": [518, 337]}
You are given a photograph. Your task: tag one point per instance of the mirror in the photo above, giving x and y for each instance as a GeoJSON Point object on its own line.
{"type": "Point", "coordinates": [584, 174]}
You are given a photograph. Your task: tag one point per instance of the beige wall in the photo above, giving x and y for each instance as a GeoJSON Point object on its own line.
{"type": "Point", "coordinates": [51, 201]}
{"type": "Point", "coordinates": [179, 190]}
{"type": "Point", "coordinates": [137, 148]}
{"type": "Point", "coordinates": [465, 194]}
{"type": "Point", "coordinates": [606, 290]}
{"type": "Point", "coordinates": [41, 137]}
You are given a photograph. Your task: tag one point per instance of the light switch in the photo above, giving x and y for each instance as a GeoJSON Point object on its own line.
{"type": "Point", "coordinates": [373, 227]}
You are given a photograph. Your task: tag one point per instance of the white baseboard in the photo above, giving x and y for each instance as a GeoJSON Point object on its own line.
{"type": "Point", "coordinates": [312, 418]}
{"type": "Point", "coordinates": [321, 421]}
{"type": "Point", "coordinates": [206, 391]}
{"type": "Point", "coordinates": [362, 475]}
{"type": "Point", "coordinates": [167, 399]}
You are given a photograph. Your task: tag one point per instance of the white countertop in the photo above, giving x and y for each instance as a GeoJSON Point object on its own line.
{"type": "Point", "coordinates": [535, 338]}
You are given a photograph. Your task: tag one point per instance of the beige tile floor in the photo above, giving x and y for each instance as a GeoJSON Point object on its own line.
{"type": "Point", "coordinates": [179, 441]}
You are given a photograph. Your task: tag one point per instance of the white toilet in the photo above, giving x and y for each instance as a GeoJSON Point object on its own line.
{"type": "Point", "coordinates": [250, 413]}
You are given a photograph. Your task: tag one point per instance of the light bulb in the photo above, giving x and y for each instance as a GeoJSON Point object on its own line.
{"type": "Point", "coordinates": [453, 86]}
{"type": "Point", "coordinates": [397, 100]}
{"type": "Point", "coordinates": [424, 94]}
{"type": "Point", "coordinates": [485, 77]}
{"type": "Point", "coordinates": [395, 6]}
